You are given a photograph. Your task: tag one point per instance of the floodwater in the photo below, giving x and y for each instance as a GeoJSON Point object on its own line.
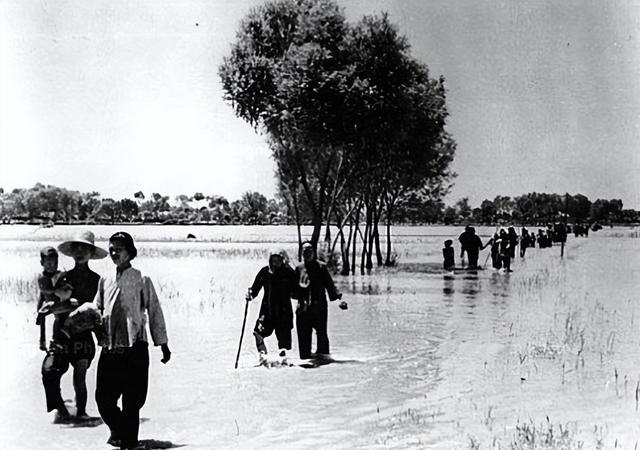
{"type": "Point", "coordinates": [424, 359]}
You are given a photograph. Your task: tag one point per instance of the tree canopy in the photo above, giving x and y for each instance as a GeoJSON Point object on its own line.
{"type": "Point", "coordinates": [354, 121]}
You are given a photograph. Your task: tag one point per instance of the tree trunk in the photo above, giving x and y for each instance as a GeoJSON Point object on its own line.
{"type": "Point", "coordinates": [317, 228]}
{"type": "Point", "coordinates": [369, 237]}
{"type": "Point", "coordinates": [355, 239]}
{"type": "Point", "coordinates": [365, 241]}
{"type": "Point", "coordinates": [344, 250]}
{"type": "Point", "coordinates": [298, 224]}
{"type": "Point", "coordinates": [376, 236]}
{"type": "Point", "coordinates": [327, 231]}
{"type": "Point", "coordinates": [388, 260]}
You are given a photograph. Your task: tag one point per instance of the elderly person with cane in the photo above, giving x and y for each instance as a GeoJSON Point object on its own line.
{"type": "Point", "coordinates": [276, 280]}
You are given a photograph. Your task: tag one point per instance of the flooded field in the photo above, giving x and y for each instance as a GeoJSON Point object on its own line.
{"type": "Point", "coordinates": [544, 357]}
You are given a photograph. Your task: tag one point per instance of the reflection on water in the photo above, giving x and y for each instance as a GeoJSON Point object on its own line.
{"type": "Point", "coordinates": [448, 289]}
{"type": "Point", "coordinates": [470, 286]}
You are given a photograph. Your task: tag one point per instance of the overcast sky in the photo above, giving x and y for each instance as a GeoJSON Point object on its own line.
{"type": "Point", "coordinates": [121, 96]}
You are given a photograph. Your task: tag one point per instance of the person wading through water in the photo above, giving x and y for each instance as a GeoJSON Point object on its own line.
{"type": "Point", "coordinates": [313, 280]}
{"type": "Point", "coordinates": [75, 350]}
{"type": "Point", "coordinates": [126, 300]}
{"type": "Point", "coordinates": [525, 241]}
{"type": "Point", "coordinates": [505, 250]}
{"type": "Point", "coordinates": [513, 242]}
{"type": "Point", "coordinates": [472, 244]}
{"type": "Point", "coordinates": [276, 314]}
{"type": "Point", "coordinates": [494, 243]}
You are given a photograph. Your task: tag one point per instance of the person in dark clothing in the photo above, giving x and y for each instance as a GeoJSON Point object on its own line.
{"type": "Point", "coordinates": [525, 241]}
{"type": "Point", "coordinates": [494, 243]}
{"type": "Point", "coordinates": [505, 250]}
{"type": "Point", "coordinates": [313, 282]}
{"type": "Point", "coordinates": [513, 241]}
{"type": "Point", "coordinates": [448, 255]}
{"type": "Point", "coordinates": [532, 239]}
{"type": "Point", "coordinates": [472, 244]}
{"type": "Point", "coordinates": [544, 239]}
{"type": "Point", "coordinates": [277, 281]}
{"type": "Point", "coordinates": [66, 349]}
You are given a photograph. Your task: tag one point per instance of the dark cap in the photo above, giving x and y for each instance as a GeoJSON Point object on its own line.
{"type": "Point", "coordinates": [48, 251]}
{"type": "Point", "coordinates": [127, 240]}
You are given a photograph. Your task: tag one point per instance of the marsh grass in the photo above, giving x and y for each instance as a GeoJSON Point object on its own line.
{"type": "Point", "coordinates": [545, 436]}
{"type": "Point", "coordinates": [19, 289]}
{"type": "Point", "coordinates": [529, 436]}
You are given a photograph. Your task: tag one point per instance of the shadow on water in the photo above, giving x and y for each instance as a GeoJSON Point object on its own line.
{"type": "Point", "coordinates": [151, 444]}
{"type": "Point", "coordinates": [499, 284]}
{"type": "Point", "coordinates": [433, 267]}
{"type": "Point", "coordinates": [85, 422]}
{"type": "Point", "coordinates": [471, 287]}
{"type": "Point", "coordinates": [319, 362]}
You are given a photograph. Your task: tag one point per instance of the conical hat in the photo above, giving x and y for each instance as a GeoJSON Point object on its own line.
{"type": "Point", "coordinates": [85, 237]}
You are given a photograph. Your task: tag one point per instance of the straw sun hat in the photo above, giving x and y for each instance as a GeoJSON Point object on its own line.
{"type": "Point", "coordinates": [84, 237]}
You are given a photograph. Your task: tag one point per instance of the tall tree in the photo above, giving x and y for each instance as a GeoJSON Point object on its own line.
{"type": "Point", "coordinates": [286, 76]}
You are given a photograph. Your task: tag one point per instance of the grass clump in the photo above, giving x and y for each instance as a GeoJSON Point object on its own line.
{"type": "Point", "coordinates": [529, 436]}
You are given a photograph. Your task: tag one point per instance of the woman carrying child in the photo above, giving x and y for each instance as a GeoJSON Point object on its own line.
{"type": "Point", "coordinates": [78, 349]}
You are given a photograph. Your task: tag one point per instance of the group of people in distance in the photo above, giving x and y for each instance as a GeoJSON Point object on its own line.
{"type": "Point", "coordinates": [309, 283]}
{"type": "Point", "coordinates": [116, 308]}
{"type": "Point", "coordinates": [503, 245]}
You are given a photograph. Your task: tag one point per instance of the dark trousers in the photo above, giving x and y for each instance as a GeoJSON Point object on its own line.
{"type": "Point", "coordinates": [496, 261]}
{"type": "Point", "coordinates": [506, 262]}
{"type": "Point", "coordinates": [55, 365]}
{"type": "Point", "coordinates": [473, 258]}
{"type": "Point", "coordinates": [123, 372]}
{"type": "Point", "coordinates": [306, 322]}
{"type": "Point", "coordinates": [62, 353]}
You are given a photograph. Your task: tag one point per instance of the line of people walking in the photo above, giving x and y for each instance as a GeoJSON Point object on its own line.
{"type": "Point", "coordinates": [503, 245]}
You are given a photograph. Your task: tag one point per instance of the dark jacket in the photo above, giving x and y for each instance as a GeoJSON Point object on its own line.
{"type": "Point", "coordinates": [314, 296]}
{"type": "Point", "coordinates": [448, 253]}
{"type": "Point", "coordinates": [276, 301]}
{"type": "Point", "coordinates": [470, 242]}
{"type": "Point", "coordinates": [84, 286]}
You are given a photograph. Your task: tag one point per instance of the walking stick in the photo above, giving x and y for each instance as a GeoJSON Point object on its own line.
{"type": "Point", "coordinates": [486, 259]}
{"type": "Point", "coordinates": [244, 322]}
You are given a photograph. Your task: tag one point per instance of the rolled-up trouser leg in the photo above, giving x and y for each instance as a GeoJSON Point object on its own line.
{"type": "Point", "coordinates": [260, 345]}
{"type": "Point", "coordinates": [53, 367]}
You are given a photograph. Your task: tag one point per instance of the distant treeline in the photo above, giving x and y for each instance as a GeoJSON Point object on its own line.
{"type": "Point", "coordinates": [540, 208]}
{"type": "Point", "coordinates": [52, 204]}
